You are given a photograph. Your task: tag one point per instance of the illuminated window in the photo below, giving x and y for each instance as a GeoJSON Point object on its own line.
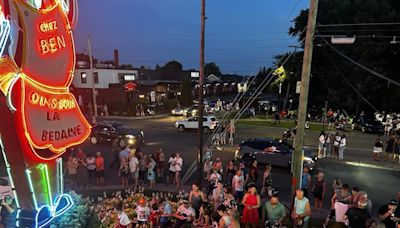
{"type": "Point", "coordinates": [96, 77]}
{"type": "Point", "coordinates": [83, 78]}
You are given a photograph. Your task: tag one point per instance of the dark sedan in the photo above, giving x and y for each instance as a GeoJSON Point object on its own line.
{"type": "Point", "coordinates": [368, 126]}
{"type": "Point", "coordinates": [271, 151]}
{"type": "Point", "coordinates": [104, 132]}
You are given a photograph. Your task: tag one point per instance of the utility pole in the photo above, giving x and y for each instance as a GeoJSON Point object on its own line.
{"type": "Point", "coordinates": [302, 112]}
{"type": "Point", "coordinates": [201, 85]}
{"type": "Point", "coordinates": [94, 117]}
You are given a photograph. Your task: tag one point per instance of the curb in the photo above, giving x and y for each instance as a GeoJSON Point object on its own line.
{"type": "Point", "coordinates": [133, 117]}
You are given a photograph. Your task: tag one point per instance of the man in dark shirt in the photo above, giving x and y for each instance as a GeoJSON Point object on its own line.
{"type": "Point", "coordinates": [387, 214]}
{"type": "Point", "coordinates": [358, 216]}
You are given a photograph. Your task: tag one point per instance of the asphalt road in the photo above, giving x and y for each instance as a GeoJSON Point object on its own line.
{"type": "Point", "coordinates": [379, 179]}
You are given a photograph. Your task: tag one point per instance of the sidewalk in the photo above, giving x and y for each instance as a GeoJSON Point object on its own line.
{"type": "Point", "coordinates": [132, 117]}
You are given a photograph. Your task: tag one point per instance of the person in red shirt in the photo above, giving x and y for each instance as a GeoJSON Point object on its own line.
{"type": "Point", "coordinates": [154, 217]}
{"type": "Point", "coordinates": [99, 169]}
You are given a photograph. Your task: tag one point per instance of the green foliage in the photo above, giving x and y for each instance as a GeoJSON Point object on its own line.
{"type": "Point", "coordinates": [80, 215]}
{"type": "Point", "coordinates": [211, 68]}
{"type": "Point", "coordinates": [372, 49]}
{"type": "Point", "coordinates": [172, 66]}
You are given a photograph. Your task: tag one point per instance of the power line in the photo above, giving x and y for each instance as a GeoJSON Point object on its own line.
{"type": "Point", "coordinates": [360, 24]}
{"type": "Point", "coordinates": [360, 65]}
{"type": "Point", "coordinates": [347, 81]}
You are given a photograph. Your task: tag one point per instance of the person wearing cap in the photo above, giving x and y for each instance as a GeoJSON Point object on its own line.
{"type": "Point", "coordinates": [184, 215]}
{"type": "Point", "coordinates": [357, 216]}
{"type": "Point", "coordinates": [386, 214]}
{"type": "Point", "coordinates": [274, 211]}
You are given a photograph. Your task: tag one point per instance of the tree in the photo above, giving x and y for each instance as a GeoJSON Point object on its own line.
{"type": "Point", "coordinates": [332, 76]}
{"type": "Point", "coordinates": [211, 68]}
{"type": "Point", "coordinates": [172, 66]}
{"type": "Point", "coordinates": [186, 98]}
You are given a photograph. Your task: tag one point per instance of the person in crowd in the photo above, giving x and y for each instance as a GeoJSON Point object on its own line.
{"type": "Point", "coordinates": [363, 197]}
{"type": "Point", "coordinates": [115, 149]}
{"type": "Point", "coordinates": [267, 180]}
{"type": "Point", "coordinates": [318, 190]}
{"type": "Point", "coordinates": [217, 165]}
{"type": "Point", "coordinates": [337, 185]}
{"type": "Point", "coordinates": [301, 211]}
{"type": "Point", "coordinates": [184, 215]}
{"type": "Point", "coordinates": [342, 196]}
{"type": "Point", "coordinates": [225, 220]}
{"type": "Point", "coordinates": [390, 148]}
{"type": "Point", "coordinates": [386, 214]}
{"type": "Point", "coordinates": [253, 175]}
{"type": "Point", "coordinates": [342, 146]}
{"type": "Point", "coordinates": [238, 185]}
{"type": "Point", "coordinates": [166, 213]}
{"type": "Point", "coordinates": [134, 168]}
{"type": "Point", "coordinates": [124, 172]}
{"type": "Point", "coordinates": [378, 147]}
{"type": "Point", "coordinates": [305, 180]}
{"type": "Point", "coordinates": [354, 196]}
{"type": "Point", "coordinates": [328, 145]}
{"type": "Point", "coordinates": [213, 181]}
{"type": "Point", "coordinates": [90, 163]}
{"type": "Point", "coordinates": [274, 212]}
{"type": "Point", "coordinates": [196, 198]}
{"type": "Point", "coordinates": [321, 144]}
{"type": "Point", "coordinates": [396, 150]}
{"type": "Point", "coordinates": [72, 170]}
{"type": "Point", "coordinates": [230, 172]}
{"type": "Point", "coordinates": [99, 169]}
{"type": "Point", "coordinates": [154, 217]}
{"type": "Point", "coordinates": [336, 144]}
{"type": "Point", "coordinates": [124, 154]}
{"type": "Point", "coordinates": [207, 168]}
{"type": "Point", "coordinates": [204, 217]}
{"type": "Point", "coordinates": [171, 170]}
{"type": "Point", "coordinates": [223, 135]}
{"type": "Point", "coordinates": [151, 177]}
{"type": "Point", "coordinates": [218, 194]}
{"type": "Point", "coordinates": [251, 202]}
{"type": "Point", "coordinates": [123, 219]}
{"type": "Point", "coordinates": [7, 212]}
{"type": "Point", "coordinates": [178, 168]}
{"type": "Point", "coordinates": [143, 169]}
{"type": "Point", "coordinates": [160, 158]}
{"type": "Point", "coordinates": [143, 213]}
{"type": "Point", "coordinates": [358, 216]}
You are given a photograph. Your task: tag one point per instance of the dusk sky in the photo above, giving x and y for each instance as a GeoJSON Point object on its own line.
{"type": "Point", "coordinates": [241, 35]}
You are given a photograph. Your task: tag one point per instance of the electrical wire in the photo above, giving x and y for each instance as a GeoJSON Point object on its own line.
{"type": "Point", "coordinates": [360, 65]}
{"type": "Point", "coordinates": [348, 83]}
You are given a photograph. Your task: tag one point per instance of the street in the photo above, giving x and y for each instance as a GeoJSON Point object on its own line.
{"type": "Point", "coordinates": [379, 180]}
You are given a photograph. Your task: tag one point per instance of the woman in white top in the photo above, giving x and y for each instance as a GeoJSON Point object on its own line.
{"type": "Point", "coordinates": [342, 146]}
{"type": "Point", "coordinates": [178, 167]}
{"type": "Point", "coordinates": [321, 144]}
{"type": "Point", "coordinates": [171, 170]}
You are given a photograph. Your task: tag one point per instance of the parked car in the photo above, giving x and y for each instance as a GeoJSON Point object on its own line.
{"type": "Point", "coordinates": [192, 111]}
{"type": "Point", "coordinates": [368, 126]}
{"type": "Point", "coordinates": [104, 132]}
{"type": "Point", "coordinates": [271, 151]}
{"type": "Point", "coordinates": [191, 123]}
{"type": "Point", "coordinates": [178, 111]}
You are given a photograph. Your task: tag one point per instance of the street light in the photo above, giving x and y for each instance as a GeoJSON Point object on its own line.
{"type": "Point", "coordinates": [343, 40]}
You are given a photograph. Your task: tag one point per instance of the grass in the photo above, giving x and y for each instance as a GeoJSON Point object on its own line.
{"type": "Point", "coordinates": [281, 124]}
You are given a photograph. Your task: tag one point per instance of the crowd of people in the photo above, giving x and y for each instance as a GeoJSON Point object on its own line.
{"type": "Point", "coordinates": [331, 146]}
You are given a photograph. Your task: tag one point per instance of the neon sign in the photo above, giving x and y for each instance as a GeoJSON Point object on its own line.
{"type": "Point", "coordinates": [40, 117]}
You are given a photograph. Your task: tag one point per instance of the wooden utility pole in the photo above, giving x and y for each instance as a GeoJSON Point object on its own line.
{"type": "Point", "coordinates": [92, 77]}
{"type": "Point", "coordinates": [201, 85]}
{"type": "Point", "coordinates": [297, 167]}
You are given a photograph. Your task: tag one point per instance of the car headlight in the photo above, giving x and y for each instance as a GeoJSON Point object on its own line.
{"type": "Point", "coordinates": [131, 141]}
{"type": "Point", "coordinates": [308, 160]}
{"type": "Point", "coordinates": [173, 111]}
{"type": "Point", "coordinates": [130, 136]}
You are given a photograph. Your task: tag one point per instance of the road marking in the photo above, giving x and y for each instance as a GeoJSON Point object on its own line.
{"type": "Point", "coordinates": [365, 165]}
